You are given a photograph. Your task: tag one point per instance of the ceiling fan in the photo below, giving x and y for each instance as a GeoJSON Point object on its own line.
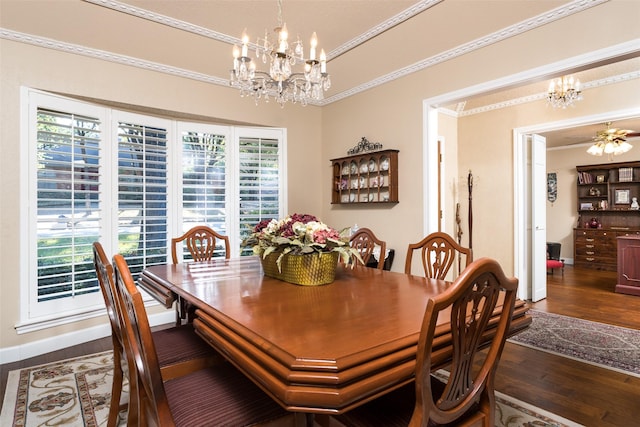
{"type": "Point", "coordinates": [611, 141]}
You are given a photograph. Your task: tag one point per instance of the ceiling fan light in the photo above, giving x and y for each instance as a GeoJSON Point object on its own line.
{"type": "Point", "coordinates": [609, 148]}
{"type": "Point", "coordinates": [610, 141]}
{"type": "Point", "coordinates": [595, 150]}
{"type": "Point", "coordinates": [624, 147]}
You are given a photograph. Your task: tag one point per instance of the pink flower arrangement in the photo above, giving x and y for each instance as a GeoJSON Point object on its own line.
{"type": "Point", "coordinates": [299, 234]}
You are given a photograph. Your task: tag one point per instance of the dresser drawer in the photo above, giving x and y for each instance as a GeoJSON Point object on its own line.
{"type": "Point", "coordinates": [595, 262]}
{"type": "Point", "coordinates": [598, 245]}
{"type": "Point", "coordinates": [597, 248]}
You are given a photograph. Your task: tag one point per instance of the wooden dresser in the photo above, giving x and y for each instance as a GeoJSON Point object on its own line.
{"type": "Point", "coordinates": [629, 265]}
{"type": "Point", "coordinates": [597, 248]}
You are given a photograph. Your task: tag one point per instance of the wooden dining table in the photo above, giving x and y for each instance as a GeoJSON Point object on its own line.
{"type": "Point", "coordinates": [314, 349]}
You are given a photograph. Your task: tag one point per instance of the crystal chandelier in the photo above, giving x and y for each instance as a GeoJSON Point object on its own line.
{"type": "Point", "coordinates": [281, 81]}
{"type": "Point", "coordinates": [563, 92]}
{"type": "Point", "coordinates": [611, 142]}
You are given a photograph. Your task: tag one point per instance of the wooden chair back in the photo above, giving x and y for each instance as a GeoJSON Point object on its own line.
{"type": "Point", "coordinates": [365, 241]}
{"type": "Point", "coordinates": [104, 271]}
{"type": "Point", "coordinates": [201, 243]}
{"type": "Point", "coordinates": [438, 251]}
{"type": "Point", "coordinates": [469, 390]}
{"type": "Point", "coordinates": [145, 377]}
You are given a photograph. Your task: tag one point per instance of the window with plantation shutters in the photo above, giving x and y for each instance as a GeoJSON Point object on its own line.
{"type": "Point", "coordinates": [259, 181]}
{"type": "Point", "coordinates": [68, 210]}
{"type": "Point", "coordinates": [131, 182]}
{"type": "Point", "coordinates": [204, 181]}
{"type": "Point", "coordinates": [142, 195]}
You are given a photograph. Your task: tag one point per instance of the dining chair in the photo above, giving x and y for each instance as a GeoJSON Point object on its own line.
{"type": "Point", "coordinates": [365, 241]}
{"type": "Point", "coordinates": [466, 395]}
{"type": "Point", "coordinates": [438, 252]}
{"type": "Point", "coordinates": [216, 396]}
{"type": "Point", "coordinates": [180, 350]}
{"type": "Point", "coordinates": [553, 257]}
{"type": "Point", "coordinates": [201, 244]}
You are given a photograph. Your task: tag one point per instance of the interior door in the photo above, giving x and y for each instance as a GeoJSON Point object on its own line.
{"type": "Point", "coordinates": [538, 218]}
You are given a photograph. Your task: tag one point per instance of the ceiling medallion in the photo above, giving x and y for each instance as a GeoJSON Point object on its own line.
{"type": "Point", "coordinates": [280, 81]}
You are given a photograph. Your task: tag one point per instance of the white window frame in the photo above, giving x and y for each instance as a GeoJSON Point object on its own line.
{"type": "Point", "coordinates": [31, 317]}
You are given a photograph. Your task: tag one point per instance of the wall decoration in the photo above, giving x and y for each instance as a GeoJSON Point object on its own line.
{"type": "Point", "coordinates": [552, 186]}
{"type": "Point", "coordinates": [621, 197]}
{"type": "Point", "coordinates": [364, 146]}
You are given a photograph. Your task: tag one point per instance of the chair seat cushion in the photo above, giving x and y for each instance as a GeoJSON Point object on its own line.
{"type": "Point", "coordinates": [552, 263]}
{"type": "Point", "coordinates": [220, 396]}
{"type": "Point", "coordinates": [180, 343]}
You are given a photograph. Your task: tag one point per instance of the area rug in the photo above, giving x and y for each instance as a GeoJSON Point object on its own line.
{"type": "Point", "coordinates": [607, 346]}
{"type": "Point", "coordinates": [75, 392]}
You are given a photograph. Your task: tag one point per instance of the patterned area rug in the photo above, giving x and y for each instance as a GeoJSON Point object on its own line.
{"type": "Point", "coordinates": [607, 346]}
{"type": "Point", "coordinates": [76, 392]}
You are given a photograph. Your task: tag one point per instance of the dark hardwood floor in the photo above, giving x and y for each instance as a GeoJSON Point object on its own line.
{"type": "Point", "coordinates": [580, 392]}
{"type": "Point", "coordinates": [583, 393]}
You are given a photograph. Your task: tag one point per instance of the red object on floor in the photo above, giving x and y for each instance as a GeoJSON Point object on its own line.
{"type": "Point", "coordinates": [553, 263]}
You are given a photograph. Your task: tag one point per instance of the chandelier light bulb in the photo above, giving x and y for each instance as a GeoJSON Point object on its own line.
{"type": "Point", "coordinates": [283, 35]}
{"type": "Point", "coordinates": [314, 44]}
{"type": "Point", "coordinates": [245, 44]}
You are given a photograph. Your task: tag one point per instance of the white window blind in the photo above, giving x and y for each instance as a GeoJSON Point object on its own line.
{"type": "Point", "coordinates": [259, 182]}
{"type": "Point", "coordinates": [68, 213]}
{"type": "Point", "coordinates": [128, 181]}
{"type": "Point", "coordinates": [204, 183]}
{"type": "Point", "coordinates": [142, 195]}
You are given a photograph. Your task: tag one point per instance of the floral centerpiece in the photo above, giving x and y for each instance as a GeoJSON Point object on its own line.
{"type": "Point", "coordinates": [300, 248]}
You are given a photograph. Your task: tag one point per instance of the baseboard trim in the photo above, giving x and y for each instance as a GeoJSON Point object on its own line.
{"type": "Point", "coordinates": [58, 342]}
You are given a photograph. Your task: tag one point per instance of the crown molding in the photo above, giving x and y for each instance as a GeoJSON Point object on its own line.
{"type": "Point", "coordinates": [560, 12]}
{"type": "Point", "coordinates": [108, 56]}
{"type": "Point", "coordinates": [406, 14]}
{"type": "Point", "coordinates": [543, 95]}
{"type": "Point", "coordinates": [164, 20]}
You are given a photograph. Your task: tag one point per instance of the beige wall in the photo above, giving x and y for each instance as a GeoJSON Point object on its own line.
{"type": "Point", "coordinates": [391, 114]}
{"type": "Point", "coordinates": [29, 66]}
{"type": "Point", "coordinates": [486, 147]}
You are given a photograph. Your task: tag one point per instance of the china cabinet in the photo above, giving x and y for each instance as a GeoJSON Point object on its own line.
{"type": "Point", "coordinates": [365, 178]}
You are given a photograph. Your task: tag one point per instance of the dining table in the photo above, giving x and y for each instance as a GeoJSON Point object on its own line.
{"type": "Point", "coordinates": [314, 349]}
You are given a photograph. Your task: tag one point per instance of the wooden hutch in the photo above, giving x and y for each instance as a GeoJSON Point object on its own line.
{"type": "Point", "coordinates": [370, 177]}
{"type": "Point", "coordinates": [606, 194]}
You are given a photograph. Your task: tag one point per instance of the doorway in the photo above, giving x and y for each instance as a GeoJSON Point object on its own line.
{"type": "Point", "coordinates": [521, 247]}
{"type": "Point", "coordinates": [523, 201]}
